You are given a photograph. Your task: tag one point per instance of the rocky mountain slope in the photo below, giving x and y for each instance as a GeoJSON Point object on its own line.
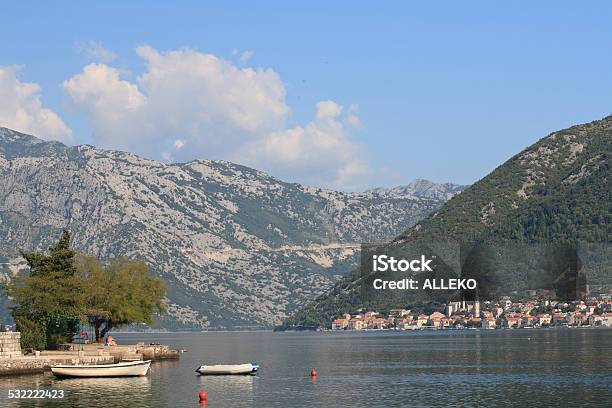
{"type": "Point", "coordinates": [557, 190]}
{"type": "Point", "coordinates": [423, 188]}
{"type": "Point", "coordinates": [237, 247]}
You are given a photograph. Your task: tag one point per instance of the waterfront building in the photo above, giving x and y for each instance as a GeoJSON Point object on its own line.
{"type": "Point", "coordinates": [377, 323]}
{"type": "Point", "coordinates": [595, 320]}
{"type": "Point", "coordinates": [544, 319]}
{"type": "Point", "coordinates": [498, 311]}
{"type": "Point", "coordinates": [356, 323]}
{"type": "Point", "coordinates": [529, 320]}
{"type": "Point", "coordinates": [489, 323]}
{"type": "Point", "coordinates": [399, 312]}
{"type": "Point", "coordinates": [511, 322]}
{"type": "Point", "coordinates": [559, 318]}
{"type": "Point", "coordinates": [339, 324]}
{"type": "Point", "coordinates": [436, 315]}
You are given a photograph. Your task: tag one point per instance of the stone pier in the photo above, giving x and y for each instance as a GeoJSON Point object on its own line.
{"type": "Point", "coordinates": [141, 351]}
{"type": "Point", "coordinates": [13, 362]}
{"type": "Point", "coordinates": [39, 364]}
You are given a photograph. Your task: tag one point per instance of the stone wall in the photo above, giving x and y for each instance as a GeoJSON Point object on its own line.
{"type": "Point", "coordinates": [156, 352]}
{"type": "Point", "coordinates": [10, 344]}
{"type": "Point", "coordinates": [141, 351]}
{"type": "Point", "coordinates": [40, 364]}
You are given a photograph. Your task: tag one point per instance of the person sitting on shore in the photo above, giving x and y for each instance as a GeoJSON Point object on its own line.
{"type": "Point", "coordinates": [110, 341]}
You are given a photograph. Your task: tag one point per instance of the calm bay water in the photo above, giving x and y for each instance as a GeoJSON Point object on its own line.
{"type": "Point", "coordinates": [551, 367]}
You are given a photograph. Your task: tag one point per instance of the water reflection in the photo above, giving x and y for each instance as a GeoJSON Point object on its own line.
{"type": "Point", "coordinates": [137, 385]}
{"type": "Point", "coordinates": [90, 392]}
{"type": "Point", "coordinates": [552, 367]}
{"type": "Point", "coordinates": [232, 387]}
{"type": "Point", "coordinates": [25, 381]}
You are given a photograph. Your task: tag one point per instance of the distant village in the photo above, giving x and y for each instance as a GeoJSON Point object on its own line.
{"type": "Point", "coordinates": [536, 313]}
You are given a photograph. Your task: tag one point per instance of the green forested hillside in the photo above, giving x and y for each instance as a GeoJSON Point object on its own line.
{"type": "Point", "coordinates": [555, 191]}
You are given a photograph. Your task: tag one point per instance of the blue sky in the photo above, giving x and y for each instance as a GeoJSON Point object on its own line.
{"type": "Point", "coordinates": [443, 91]}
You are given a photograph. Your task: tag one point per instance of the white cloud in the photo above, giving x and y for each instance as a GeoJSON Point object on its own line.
{"type": "Point", "coordinates": [21, 109]}
{"type": "Point", "coordinates": [352, 117]}
{"type": "Point", "coordinates": [178, 144]}
{"type": "Point", "coordinates": [219, 110]}
{"type": "Point", "coordinates": [328, 110]}
{"type": "Point", "coordinates": [94, 51]}
{"type": "Point", "coordinates": [322, 150]}
{"type": "Point", "coordinates": [114, 105]}
{"type": "Point", "coordinates": [245, 56]}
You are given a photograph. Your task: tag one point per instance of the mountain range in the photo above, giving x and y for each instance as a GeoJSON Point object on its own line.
{"type": "Point", "coordinates": [237, 247]}
{"type": "Point", "coordinates": [555, 191]}
{"type": "Point", "coordinates": [422, 188]}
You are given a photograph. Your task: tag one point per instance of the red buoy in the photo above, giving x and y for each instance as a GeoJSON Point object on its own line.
{"type": "Point", "coordinates": [203, 396]}
{"type": "Point", "coordinates": [313, 373]}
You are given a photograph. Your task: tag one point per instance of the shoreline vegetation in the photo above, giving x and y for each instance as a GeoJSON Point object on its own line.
{"type": "Point", "coordinates": [64, 296]}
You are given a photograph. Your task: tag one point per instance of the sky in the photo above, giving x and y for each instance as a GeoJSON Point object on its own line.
{"type": "Point", "coordinates": [343, 95]}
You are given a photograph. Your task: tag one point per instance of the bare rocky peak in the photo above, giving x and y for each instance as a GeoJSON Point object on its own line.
{"type": "Point", "coordinates": [423, 189]}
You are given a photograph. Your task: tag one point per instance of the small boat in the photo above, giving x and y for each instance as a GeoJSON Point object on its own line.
{"type": "Point", "coordinates": [127, 369]}
{"type": "Point", "coordinates": [228, 369]}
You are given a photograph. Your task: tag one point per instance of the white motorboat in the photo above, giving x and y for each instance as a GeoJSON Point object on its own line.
{"type": "Point", "coordinates": [228, 369]}
{"type": "Point", "coordinates": [126, 369]}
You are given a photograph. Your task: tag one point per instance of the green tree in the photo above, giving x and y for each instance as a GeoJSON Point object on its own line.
{"type": "Point", "coordinates": [47, 302]}
{"type": "Point", "coordinates": [122, 293]}
{"type": "Point", "coordinates": [33, 333]}
{"type": "Point", "coordinates": [63, 289]}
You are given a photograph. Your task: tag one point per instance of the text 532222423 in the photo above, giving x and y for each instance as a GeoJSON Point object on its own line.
{"type": "Point", "coordinates": [36, 394]}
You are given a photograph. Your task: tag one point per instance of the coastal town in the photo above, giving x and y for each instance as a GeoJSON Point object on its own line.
{"type": "Point", "coordinates": [503, 314]}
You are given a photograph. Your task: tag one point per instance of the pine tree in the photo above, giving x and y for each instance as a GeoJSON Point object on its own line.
{"type": "Point", "coordinates": [50, 299]}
